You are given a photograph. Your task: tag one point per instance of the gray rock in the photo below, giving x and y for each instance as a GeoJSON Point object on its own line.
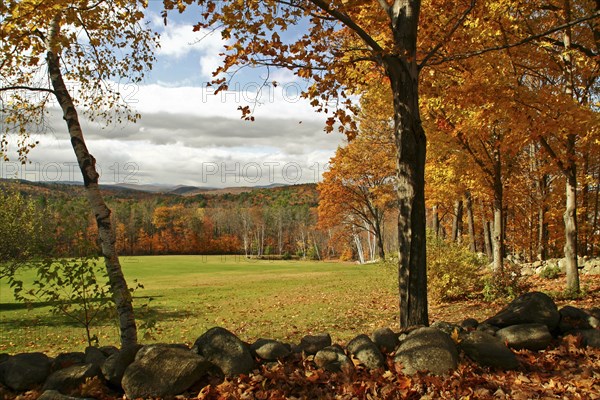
{"type": "Point", "coordinates": [562, 264]}
{"type": "Point", "coordinates": [270, 350]}
{"type": "Point", "coordinates": [528, 270]}
{"type": "Point", "coordinates": [55, 395]}
{"type": "Point", "coordinates": [488, 350]}
{"type": "Point", "coordinates": [526, 336]}
{"type": "Point", "coordinates": [115, 365]}
{"type": "Point", "coordinates": [594, 312]}
{"type": "Point", "coordinates": [311, 344]}
{"type": "Point", "coordinates": [487, 328]}
{"type": "Point", "coordinates": [386, 339]}
{"type": "Point", "coordinates": [469, 324]}
{"type": "Point", "coordinates": [573, 318]}
{"type": "Point", "coordinates": [446, 327]}
{"type": "Point", "coordinates": [94, 355]}
{"type": "Point", "coordinates": [65, 360]}
{"type": "Point", "coordinates": [225, 350]}
{"type": "Point", "coordinates": [529, 308]}
{"type": "Point", "coordinates": [4, 357]}
{"type": "Point", "coordinates": [367, 352]}
{"type": "Point", "coordinates": [333, 358]}
{"type": "Point", "coordinates": [163, 371]}
{"type": "Point", "coordinates": [427, 349]}
{"type": "Point", "coordinates": [24, 371]}
{"type": "Point", "coordinates": [108, 350]}
{"type": "Point", "coordinates": [70, 378]}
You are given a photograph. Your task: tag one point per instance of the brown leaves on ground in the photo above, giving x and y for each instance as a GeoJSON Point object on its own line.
{"type": "Point", "coordinates": [566, 371]}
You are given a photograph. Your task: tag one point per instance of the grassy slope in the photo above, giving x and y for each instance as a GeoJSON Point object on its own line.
{"type": "Point", "coordinates": [276, 299]}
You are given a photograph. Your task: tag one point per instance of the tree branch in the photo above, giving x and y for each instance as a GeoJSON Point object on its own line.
{"type": "Point", "coordinates": [553, 155]}
{"type": "Point", "coordinates": [457, 25]}
{"type": "Point", "coordinates": [20, 87]}
{"type": "Point", "coordinates": [346, 20]}
{"type": "Point", "coordinates": [519, 43]}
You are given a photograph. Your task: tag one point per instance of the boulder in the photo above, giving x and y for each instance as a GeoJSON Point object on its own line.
{"type": "Point", "coordinates": [70, 378]}
{"type": "Point", "coordinates": [446, 327]}
{"type": "Point", "coordinates": [225, 350]}
{"type": "Point", "coordinates": [24, 371]}
{"type": "Point", "coordinates": [573, 318]}
{"type": "Point", "coordinates": [367, 352]}
{"type": "Point", "coordinates": [488, 350]}
{"type": "Point", "coordinates": [65, 360]}
{"type": "Point", "coordinates": [487, 328]}
{"type": "Point", "coordinates": [311, 344]}
{"type": "Point", "coordinates": [526, 336]}
{"type": "Point", "coordinates": [55, 395]}
{"type": "Point", "coordinates": [94, 355]}
{"type": "Point", "coordinates": [469, 324]}
{"type": "Point", "coordinates": [386, 339]}
{"type": "Point", "coordinates": [270, 350]}
{"type": "Point", "coordinates": [163, 371]}
{"type": "Point", "coordinates": [333, 359]}
{"type": "Point", "coordinates": [427, 349]}
{"type": "Point", "coordinates": [529, 308]}
{"type": "Point", "coordinates": [115, 365]}
{"type": "Point", "coordinates": [108, 350]}
{"type": "Point", "coordinates": [594, 312]}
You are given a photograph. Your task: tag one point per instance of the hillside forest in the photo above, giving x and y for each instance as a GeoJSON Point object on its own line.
{"type": "Point", "coordinates": [295, 221]}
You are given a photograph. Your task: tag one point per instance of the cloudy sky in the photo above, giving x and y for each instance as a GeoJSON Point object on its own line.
{"type": "Point", "coordinates": [190, 136]}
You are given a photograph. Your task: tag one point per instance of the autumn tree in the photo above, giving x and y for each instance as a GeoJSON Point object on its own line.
{"type": "Point", "coordinates": [49, 46]}
{"type": "Point", "coordinates": [357, 190]}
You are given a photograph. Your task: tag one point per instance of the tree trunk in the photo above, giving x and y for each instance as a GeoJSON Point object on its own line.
{"type": "Point", "coordinates": [359, 249]}
{"type": "Point", "coordinates": [487, 239]}
{"type": "Point", "coordinates": [470, 222]}
{"type": "Point", "coordinates": [379, 238]}
{"type": "Point", "coordinates": [411, 148]}
{"type": "Point", "coordinates": [436, 220]}
{"type": "Point", "coordinates": [457, 221]}
{"type": "Point", "coordinates": [87, 165]}
{"type": "Point", "coordinates": [498, 235]}
{"type": "Point", "coordinates": [570, 218]}
{"type": "Point", "coordinates": [543, 231]}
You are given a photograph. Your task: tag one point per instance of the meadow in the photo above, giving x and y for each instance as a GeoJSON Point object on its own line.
{"type": "Point", "coordinates": [183, 296]}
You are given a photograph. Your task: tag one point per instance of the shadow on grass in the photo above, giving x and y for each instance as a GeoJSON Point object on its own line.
{"type": "Point", "coordinates": [59, 319]}
{"type": "Point", "coordinates": [42, 304]}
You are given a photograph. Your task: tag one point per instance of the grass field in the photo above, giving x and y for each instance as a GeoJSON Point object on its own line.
{"type": "Point", "coordinates": [274, 299]}
{"type": "Point", "coordinates": [190, 294]}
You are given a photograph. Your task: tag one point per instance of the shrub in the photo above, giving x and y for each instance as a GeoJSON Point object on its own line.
{"type": "Point", "coordinates": [550, 272]}
{"type": "Point", "coordinates": [505, 284]}
{"type": "Point", "coordinates": [452, 270]}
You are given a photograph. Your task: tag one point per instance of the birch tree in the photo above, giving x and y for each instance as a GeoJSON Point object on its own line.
{"type": "Point", "coordinates": [74, 53]}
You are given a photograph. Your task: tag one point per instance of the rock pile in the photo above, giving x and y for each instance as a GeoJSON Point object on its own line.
{"type": "Point", "coordinates": [531, 321]}
{"type": "Point", "coordinates": [587, 266]}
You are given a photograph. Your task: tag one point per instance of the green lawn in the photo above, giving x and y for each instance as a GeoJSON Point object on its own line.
{"type": "Point", "coordinates": [190, 294]}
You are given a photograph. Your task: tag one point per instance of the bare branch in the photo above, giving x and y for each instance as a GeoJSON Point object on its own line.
{"type": "Point", "coordinates": [20, 87]}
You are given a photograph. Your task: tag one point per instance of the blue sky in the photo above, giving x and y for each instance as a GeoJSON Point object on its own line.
{"type": "Point", "coordinates": [188, 135]}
